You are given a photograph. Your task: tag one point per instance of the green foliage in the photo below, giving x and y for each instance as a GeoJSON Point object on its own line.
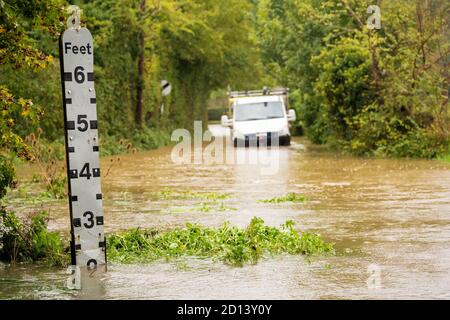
{"type": "Point", "coordinates": [20, 19]}
{"type": "Point", "coordinates": [169, 194]}
{"type": "Point", "coordinates": [369, 92]}
{"type": "Point", "coordinates": [229, 244]}
{"type": "Point", "coordinates": [48, 158]}
{"type": "Point", "coordinates": [7, 175]}
{"type": "Point", "coordinates": [210, 200]}
{"type": "Point", "coordinates": [21, 22]}
{"type": "Point", "coordinates": [216, 114]}
{"type": "Point", "coordinates": [150, 139]}
{"type": "Point", "coordinates": [199, 48]}
{"type": "Point", "coordinates": [56, 187]}
{"type": "Point", "coordinates": [445, 158]}
{"type": "Point", "coordinates": [13, 111]}
{"type": "Point", "coordinates": [43, 87]}
{"type": "Point", "coordinates": [290, 197]}
{"type": "Point", "coordinates": [212, 206]}
{"type": "Point", "coordinates": [29, 240]}
{"type": "Point", "coordinates": [344, 85]}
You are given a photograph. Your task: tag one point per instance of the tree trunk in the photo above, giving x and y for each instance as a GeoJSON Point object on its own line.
{"type": "Point", "coordinates": [141, 70]}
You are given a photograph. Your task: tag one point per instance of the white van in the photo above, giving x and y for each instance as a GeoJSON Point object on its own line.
{"type": "Point", "coordinates": [259, 116]}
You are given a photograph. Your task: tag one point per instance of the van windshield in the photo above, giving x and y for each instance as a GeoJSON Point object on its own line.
{"type": "Point", "coordinates": [258, 111]}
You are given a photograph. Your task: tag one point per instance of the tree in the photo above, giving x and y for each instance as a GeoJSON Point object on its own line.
{"type": "Point", "coordinates": [381, 92]}
{"type": "Point", "coordinates": [18, 21]}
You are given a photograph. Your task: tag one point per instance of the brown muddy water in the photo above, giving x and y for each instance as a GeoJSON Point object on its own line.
{"type": "Point", "coordinates": [390, 219]}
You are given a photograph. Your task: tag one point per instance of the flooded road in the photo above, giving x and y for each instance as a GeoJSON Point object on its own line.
{"type": "Point", "coordinates": [389, 219]}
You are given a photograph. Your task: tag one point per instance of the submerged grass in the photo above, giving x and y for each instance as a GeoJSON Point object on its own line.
{"type": "Point", "coordinates": [229, 244]}
{"type": "Point", "coordinates": [213, 206]}
{"type": "Point", "coordinates": [28, 194]}
{"type": "Point", "coordinates": [168, 194]}
{"type": "Point", "coordinates": [210, 201]}
{"type": "Point", "coordinates": [205, 207]}
{"type": "Point", "coordinates": [445, 158]}
{"type": "Point", "coordinates": [290, 197]}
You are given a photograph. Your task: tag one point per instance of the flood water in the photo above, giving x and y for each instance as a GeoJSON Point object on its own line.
{"type": "Point", "coordinates": [389, 219]}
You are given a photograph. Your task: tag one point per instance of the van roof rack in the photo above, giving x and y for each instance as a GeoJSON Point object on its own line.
{"type": "Point", "coordinates": [256, 93]}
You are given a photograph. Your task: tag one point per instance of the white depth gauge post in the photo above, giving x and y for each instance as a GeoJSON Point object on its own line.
{"type": "Point", "coordinates": [88, 245]}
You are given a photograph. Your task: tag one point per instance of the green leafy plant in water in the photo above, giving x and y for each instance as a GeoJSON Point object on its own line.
{"type": "Point", "coordinates": [26, 194]}
{"type": "Point", "coordinates": [57, 187]}
{"type": "Point", "coordinates": [445, 158]}
{"type": "Point", "coordinates": [168, 194]}
{"type": "Point", "coordinates": [29, 240]}
{"type": "Point", "coordinates": [210, 200]}
{"type": "Point", "coordinates": [205, 207]}
{"type": "Point", "coordinates": [229, 244]}
{"type": "Point", "coordinates": [7, 175]}
{"type": "Point", "coordinates": [213, 196]}
{"type": "Point", "coordinates": [222, 207]}
{"type": "Point", "coordinates": [48, 158]}
{"type": "Point", "coordinates": [290, 197]}
{"type": "Point", "coordinates": [213, 206]}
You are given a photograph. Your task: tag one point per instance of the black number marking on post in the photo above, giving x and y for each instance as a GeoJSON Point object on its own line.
{"type": "Point", "coordinates": [79, 75]}
{"type": "Point", "coordinates": [90, 263]}
{"type": "Point", "coordinates": [85, 171]}
{"type": "Point", "coordinates": [82, 121]}
{"type": "Point", "coordinates": [90, 219]}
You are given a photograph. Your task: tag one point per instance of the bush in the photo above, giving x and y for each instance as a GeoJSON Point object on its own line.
{"type": "Point", "coordinates": [344, 85]}
{"type": "Point", "coordinates": [151, 138]}
{"type": "Point", "coordinates": [144, 139]}
{"type": "Point", "coordinates": [29, 240]}
{"type": "Point", "coordinates": [7, 175]}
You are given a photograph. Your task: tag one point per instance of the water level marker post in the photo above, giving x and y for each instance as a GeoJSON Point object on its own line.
{"type": "Point", "coordinates": [88, 243]}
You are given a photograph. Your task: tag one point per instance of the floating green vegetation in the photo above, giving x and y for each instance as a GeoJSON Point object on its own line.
{"type": "Point", "coordinates": [210, 201]}
{"type": "Point", "coordinates": [232, 245]}
{"type": "Point", "coordinates": [26, 194]}
{"type": "Point", "coordinates": [205, 207]}
{"type": "Point", "coordinates": [168, 194]}
{"type": "Point", "coordinates": [213, 196]}
{"type": "Point", "coordinates": [213, 207]}
{"type": "Point", "coordinates": [290, 197]}
{"type": "Point", "coordinates": [445, 158]}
